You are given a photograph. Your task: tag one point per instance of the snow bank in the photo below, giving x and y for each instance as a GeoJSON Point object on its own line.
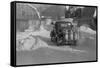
{"type": "Point", "coordinates": [87, 30]}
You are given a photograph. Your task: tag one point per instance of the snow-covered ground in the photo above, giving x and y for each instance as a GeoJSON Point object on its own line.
{"type": "Point", "coordinates": [36, 48]}
{"type": "Point", "coordinates": [28, 40]}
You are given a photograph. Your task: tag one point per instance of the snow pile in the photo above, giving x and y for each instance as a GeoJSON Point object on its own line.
{"type": "Point", "coordinates": [25, 43]}
{"type": "Point", "coordinates": [87, 30]}
{"type": "Point", "coordinates": [42, 32]}
{"type": "Point", "coordinates": [28, 40]}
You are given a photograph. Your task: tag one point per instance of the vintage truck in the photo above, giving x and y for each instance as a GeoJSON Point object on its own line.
{"type": "Point", "coordinates": [64, 32]}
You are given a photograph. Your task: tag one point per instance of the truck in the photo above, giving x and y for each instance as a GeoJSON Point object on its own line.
{"type": "Point", "coordinates": [64, 33]}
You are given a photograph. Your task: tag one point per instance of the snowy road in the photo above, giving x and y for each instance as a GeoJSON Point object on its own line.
{"type": "Point", "coordinates": [36, 48]}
